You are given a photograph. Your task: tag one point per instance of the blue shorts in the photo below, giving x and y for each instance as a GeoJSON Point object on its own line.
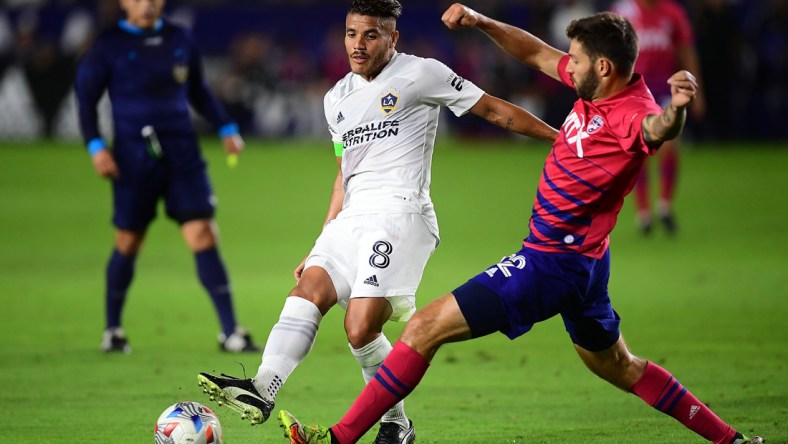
{"type": "Point", "coordinates": [180, 180]}
{"type": "Point", "coordinates": [532, 286]}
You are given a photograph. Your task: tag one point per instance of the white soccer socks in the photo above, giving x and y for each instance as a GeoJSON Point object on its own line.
{"type": "Point", "coordinates": [289, 342]}
{"type": "Point", "coordinates": [370, 357]}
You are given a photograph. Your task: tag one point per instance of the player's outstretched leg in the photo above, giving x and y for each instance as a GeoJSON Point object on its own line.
{"type": "Point", "coordinates": [298, 433]}
{"type": "Point", "coordinates": [664, 392]}
{"type": "Point", "coordinates": [238, 394]}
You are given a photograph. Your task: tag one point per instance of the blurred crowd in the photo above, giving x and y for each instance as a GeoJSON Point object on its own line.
{"type": "Point", "coordinates": [271, 61]}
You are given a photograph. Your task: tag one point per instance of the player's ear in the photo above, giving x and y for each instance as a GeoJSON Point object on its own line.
{"type": "Point", "coordinates": [604, 67]}
{"type": "Point", "coordinates": [394, 38]}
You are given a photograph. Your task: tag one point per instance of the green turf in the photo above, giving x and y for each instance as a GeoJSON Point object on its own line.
{"type": "Point", "coordinates": [710, 305]}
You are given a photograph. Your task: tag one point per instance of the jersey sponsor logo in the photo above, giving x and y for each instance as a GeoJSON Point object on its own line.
{"type": "Point", "coordinates": [388, 103]}
{"type": "Point", "coordinates": [595, 123]}
{"type": "Point", "coordinates": [573, 128]}
{"type": "Point", "coordinates": [516, 261]}
{"type": "Point", "coordinates": [180, 72]}
{"type": "Point", "coordinates": [372, 280]}
{"type": "Point", "coordinates": [340, 118]}
{"type": "Point", "coordinates": [455, 81]}
{"type": "Point", "coordinates": [369, 132]}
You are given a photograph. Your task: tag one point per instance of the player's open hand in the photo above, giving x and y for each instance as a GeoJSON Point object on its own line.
{"type": "Point", "coordinates": [299, 270]}
{"type": "Point", "coordinates": [105, 164]}
{"type": "Point", "coordinates": [233, 144]}
{"type": "Point", "coordinates": [683, 88]}
{"type": "Point", "coordinates": [459, 16]}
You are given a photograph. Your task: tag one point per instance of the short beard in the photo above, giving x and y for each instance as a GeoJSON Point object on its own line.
{"type": "Point", "coordinates": [378, 63]}
{"type": "Point", "coordinates": [587, 88]}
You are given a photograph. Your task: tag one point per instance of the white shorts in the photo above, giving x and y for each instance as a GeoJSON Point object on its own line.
{"type": "Point", "coordinates": [375, 255]}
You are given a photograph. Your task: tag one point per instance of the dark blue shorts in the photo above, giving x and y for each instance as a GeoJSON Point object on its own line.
{"type": "Point", "coordinates": [144, 181]}
{"type": "Point", "coordinates": [532, 286]}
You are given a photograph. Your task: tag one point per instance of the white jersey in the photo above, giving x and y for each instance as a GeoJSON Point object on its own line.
{"type": "Point", "coordinates": [386, 129]}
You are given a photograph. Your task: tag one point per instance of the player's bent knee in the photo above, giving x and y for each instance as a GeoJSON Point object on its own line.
{"type": "Point", "coordinates": [422, 332]}
{"type": "Point", "coordinates": [360, 336]}
{"type": "Point", "coordinates": [199, 234]}
{"type": "Point", "coordinates": [324, 297]}
{"type": "Point", "coordinates": [621, 370]}
{"type": "Point", "coordinates": [129, 243]}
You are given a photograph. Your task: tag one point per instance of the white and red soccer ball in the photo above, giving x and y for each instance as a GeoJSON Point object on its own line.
{"type": "Point", "coordinates": [188, 422]}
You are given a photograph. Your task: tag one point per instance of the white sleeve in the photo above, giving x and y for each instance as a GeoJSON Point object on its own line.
{"type": "Point", "coordinates": [439, 85]}
{"type": "Point", "coordinates": [328, 105]}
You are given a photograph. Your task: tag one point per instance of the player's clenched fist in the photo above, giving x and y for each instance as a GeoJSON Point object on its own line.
{"type": "Point", "coordinates": [683, 88]}
{"type": "Point", "coordinates": [459, 16]}
{"type": "Point", "coordinates": [105, 164]}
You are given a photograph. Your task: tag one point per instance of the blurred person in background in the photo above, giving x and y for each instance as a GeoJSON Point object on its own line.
{"type": "Point", "coordinates": [153, 72]}
{"type": "Point", "coordinates": [381, 227]}
{"type": "Point", "coordinates": [48, 69]}
{"type": "Point", "coordinates": [667, 44]}
{"type": "Point", "coordinates": [252, 76]}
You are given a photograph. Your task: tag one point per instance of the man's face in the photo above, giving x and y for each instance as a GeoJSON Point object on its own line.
{"type": "Point", "coordinates": [142, 13]}
{"type": "Point", "coordinates": [369, 43]}
{"type": "Point", "coordinates": [582, 70]}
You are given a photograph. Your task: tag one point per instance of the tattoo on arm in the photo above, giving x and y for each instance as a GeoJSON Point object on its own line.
{"type": "Point", "coordinates": [658, 128]}
{"type": "Point", "coordinates": [509, 123]}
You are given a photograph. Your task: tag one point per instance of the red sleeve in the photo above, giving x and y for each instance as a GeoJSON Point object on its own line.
{"type": "Point", "coordinates": [631, 117]}
{"type": "Point", "coordinates": [634, 140]}
{"type": "Point", "coordinates": [565, 77]}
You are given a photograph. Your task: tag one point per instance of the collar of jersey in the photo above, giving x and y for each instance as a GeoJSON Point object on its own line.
{"type": "Point", "coordinates": [131, 29]}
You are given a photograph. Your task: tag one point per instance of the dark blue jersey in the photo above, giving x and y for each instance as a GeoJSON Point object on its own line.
{"type": "Point", "coordinates": [152, 76]}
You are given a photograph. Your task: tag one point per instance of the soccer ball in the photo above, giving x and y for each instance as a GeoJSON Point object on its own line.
{"type": "Point", "coordinates": [188, 423]}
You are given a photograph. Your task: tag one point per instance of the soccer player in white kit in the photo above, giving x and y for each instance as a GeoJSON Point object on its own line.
{"type": "Point", "coordinates": [381, 226]}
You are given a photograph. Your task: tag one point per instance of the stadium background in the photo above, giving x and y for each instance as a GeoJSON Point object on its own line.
{"type": "Point", "coordinates": [271, 61]}
{"type": "Point", "coordinates": [709, 304]}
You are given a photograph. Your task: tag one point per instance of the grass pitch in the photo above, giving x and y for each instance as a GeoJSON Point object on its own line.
{"type": "Point", "coordinates": [710, 305]}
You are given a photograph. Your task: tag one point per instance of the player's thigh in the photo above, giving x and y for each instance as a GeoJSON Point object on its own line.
{"type": "Point", "coordinates": [590, 319]}
{"type": "Point", "coordinates": [189, 195]}
{"type": "Point", "coordinates": [515, 293]}
{"type": "Point", "coordinates": [332, 256]}
{"type": "Point", "coordinates": [380, 255]}
{"type": "Point", "coordinates": [393, 250]}
{"type": "Point", "coordinates": [135, 197]}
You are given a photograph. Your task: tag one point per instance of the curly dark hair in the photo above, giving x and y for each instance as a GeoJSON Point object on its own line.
{"type": "Point", "coordinates": [609, 35]}
{"type": "Point", "coordinates": [386, 9]}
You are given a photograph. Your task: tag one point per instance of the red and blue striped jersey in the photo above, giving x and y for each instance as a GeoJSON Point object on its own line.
{"type": "Point", "coordinates": [592, 166]}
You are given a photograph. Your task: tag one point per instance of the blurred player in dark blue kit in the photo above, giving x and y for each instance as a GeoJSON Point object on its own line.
{"type": "Point", "coordinates": [153, 71]}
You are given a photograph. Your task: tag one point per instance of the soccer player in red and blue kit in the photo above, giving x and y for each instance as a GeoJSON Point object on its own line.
{"type": "Point", "coordinates": [564, 265]}
{"type": "Point", "coordinates": [152, 71]}
{"type": "Point", "coordinates": [667, 44]}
